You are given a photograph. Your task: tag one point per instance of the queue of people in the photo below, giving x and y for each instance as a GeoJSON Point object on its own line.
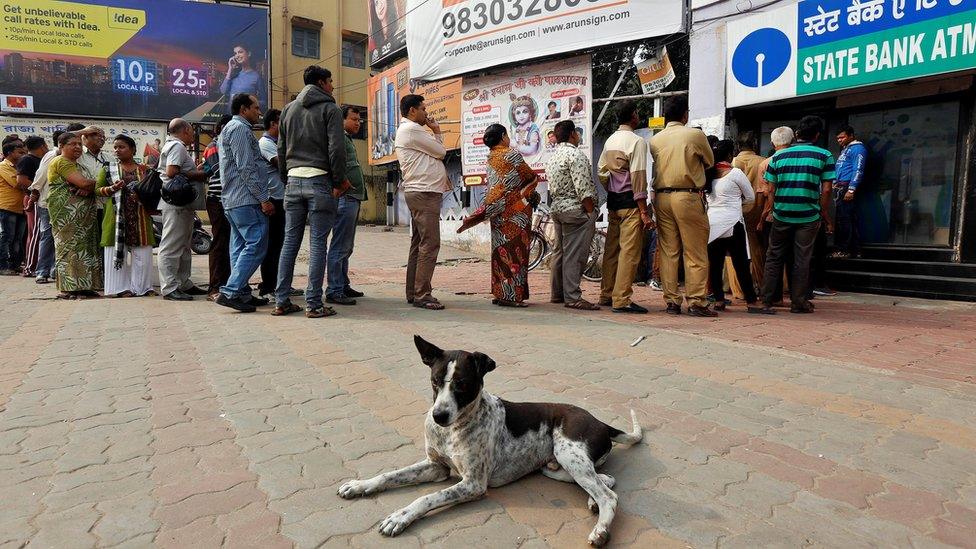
{"type": "Point", "coordinates": [78, 209]}
{"type": "Point", "coordinates": [694, 202]}
{"type": "Point", "coordinates": [679, 199]}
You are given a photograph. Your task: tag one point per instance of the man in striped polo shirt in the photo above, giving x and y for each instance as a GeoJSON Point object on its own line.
{"type": "Point", "coordinates": [800, 180]}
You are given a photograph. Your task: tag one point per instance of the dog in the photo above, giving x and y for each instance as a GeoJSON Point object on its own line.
{"type": "Point", "coordinates": [490, 442]}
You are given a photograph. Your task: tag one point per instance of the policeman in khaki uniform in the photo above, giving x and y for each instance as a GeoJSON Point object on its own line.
{"type": "Point", "coordinates": [681, 156]}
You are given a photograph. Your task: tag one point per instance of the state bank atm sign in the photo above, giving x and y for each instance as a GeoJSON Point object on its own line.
{"type": "Point", "coordinates": [761, 57]}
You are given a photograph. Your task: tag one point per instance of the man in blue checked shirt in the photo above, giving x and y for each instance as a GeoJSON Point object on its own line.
{"type": "Point", "coordinates": [246, 202]}
{"type": "Point", "coordinates": [850, 174]}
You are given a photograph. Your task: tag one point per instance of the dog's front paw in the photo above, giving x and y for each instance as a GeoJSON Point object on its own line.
{"type": "Point", "coordinates": [599, 537]}
{"type": "Point", "coordinates": [354, 489]}
{"type": "Point", "coordinates": [396, 523]}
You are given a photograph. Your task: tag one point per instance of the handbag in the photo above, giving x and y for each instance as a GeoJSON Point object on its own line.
{"type": "Point", "coordinates": [178, 191]}
{"type": "Point", "coordinates": [149, 190]}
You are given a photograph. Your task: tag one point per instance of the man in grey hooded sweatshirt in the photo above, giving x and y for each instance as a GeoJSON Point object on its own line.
{"type": "Point", "coordinates": [312, 159]}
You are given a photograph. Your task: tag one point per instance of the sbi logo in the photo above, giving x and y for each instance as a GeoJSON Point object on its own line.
{"type": "Point", "coordinates": [761, 57]}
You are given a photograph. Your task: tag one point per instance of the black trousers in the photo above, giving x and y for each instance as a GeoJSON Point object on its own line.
{"type": "Point", "coordinates": [784, 238]}
{"type": "Point", "coordinates": [220, 250]}
{"type": "Point", "coordinates": [845, 221]}
{"type": "Point", "coordinates": [276, 239]}
{"type": "Point", "coordinates": [818, 262]}
{"type": "Point", "coordinates": [734, 246]}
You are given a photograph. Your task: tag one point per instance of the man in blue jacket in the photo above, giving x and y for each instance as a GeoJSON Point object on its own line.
{"type": "Point", "coordinates": [850, 174]}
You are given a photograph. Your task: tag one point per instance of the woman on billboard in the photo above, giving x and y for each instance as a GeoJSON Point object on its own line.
{"type": "Point", "coordinates": [385, 28]}
{"type": "Point", "coordinates": [242, 77]}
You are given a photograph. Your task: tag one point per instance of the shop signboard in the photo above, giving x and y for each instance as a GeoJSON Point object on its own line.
{"type": "Point", "coordinates": [141, 59]}
{"type": "Point", "coordinates": [387, 30]}
{"type": "Point", "coordinates": [656, 72]}
{"type": "Point", "coordinates": [450, 37]}
{"type": "Point", "coordinates": [384, 90]}
{"type": "Point", "coordinates": [827, 45]}
{"type": "Point", "coordinates": [529, 101]}
{"type": "Point", "coordinates": [147, 135]}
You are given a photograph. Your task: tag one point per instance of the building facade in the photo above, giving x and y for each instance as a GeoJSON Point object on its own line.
{"type": "Point", "coordinates": [902, 75]}
{"type": "Point", "coordinates": [333, 34]}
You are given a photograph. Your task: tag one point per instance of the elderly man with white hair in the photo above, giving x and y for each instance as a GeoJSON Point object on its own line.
{"type": "Point", "coordinates": [781, 137]}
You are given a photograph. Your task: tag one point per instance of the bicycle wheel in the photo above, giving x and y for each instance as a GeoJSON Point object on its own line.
{"type": "Point", "coordinates": [538, 248]}
{"type": "Point", "coordinates": [593, 271]}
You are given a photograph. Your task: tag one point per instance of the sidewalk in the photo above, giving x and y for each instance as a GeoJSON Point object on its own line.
{"type": "Point", "coordinates": [141, 422]}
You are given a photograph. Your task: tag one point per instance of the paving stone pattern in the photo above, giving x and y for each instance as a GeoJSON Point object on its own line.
{"type": "Point", "coordinates": [142, 422]}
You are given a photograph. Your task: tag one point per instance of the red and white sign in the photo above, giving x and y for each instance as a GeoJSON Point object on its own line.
{"type": "Point", "coordinates": [17, 103]}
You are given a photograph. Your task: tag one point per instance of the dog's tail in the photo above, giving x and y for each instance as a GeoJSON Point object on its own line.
{"type": "Point", "coordinates": [633, 437]}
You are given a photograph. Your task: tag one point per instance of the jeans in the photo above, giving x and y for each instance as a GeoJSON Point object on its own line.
{"type": "Point", "coordinates": [845, 221]}
{"type": "Point", "coordinates": [307, 200]}
{"type": "Point", "coordinates": [45, 246]}
{"type": "Point", "coordinates": [784, 238]}
{"type": "Point", "coordinates": [248, 244]}
{"type": "Point", "coordinates": [13, 227]}
{"type": "Point", "coordinates": [343, 240]}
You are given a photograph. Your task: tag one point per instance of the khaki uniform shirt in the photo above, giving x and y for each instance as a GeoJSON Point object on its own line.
{"type": "Point", "coordinates": [681, 155]}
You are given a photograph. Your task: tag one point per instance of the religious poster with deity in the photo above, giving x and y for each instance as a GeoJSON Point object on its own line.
{"type": "Point", "coordinates": [529, 102]}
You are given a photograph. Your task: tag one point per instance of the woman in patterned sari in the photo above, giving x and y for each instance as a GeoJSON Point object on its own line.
{"type": "Point", "coordinates": [508, 204]}
{"type": "Point", "coordinates": [74, 220]}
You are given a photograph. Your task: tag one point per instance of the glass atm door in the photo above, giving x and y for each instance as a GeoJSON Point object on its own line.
{"type": "Point", "coordinates": [909, 188]}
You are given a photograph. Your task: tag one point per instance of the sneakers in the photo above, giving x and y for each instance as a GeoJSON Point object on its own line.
{"type": "Point", "coordinates": [656, 286]}
{"type": "Point", "coordinates": [352, 293]}
{"type": "Point", "coordinates": [340, 299]}
{"type": "Point", "coordinates": [824, 292]}
{"type": "Point", "coordinates": [234, 303]}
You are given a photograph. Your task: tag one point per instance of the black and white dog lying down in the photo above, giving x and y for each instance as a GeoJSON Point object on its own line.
{"type": "Point", "coordinates": [489, 442]}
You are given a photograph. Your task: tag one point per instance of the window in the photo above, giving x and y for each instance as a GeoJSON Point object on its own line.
{"type": "Point", "coordinates": [305, 42]}
{"type": "Point", "coordinates": [354, 51]}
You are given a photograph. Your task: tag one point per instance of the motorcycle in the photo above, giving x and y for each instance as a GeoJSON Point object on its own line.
{"type": "Point", "coordinates": [201, 241]}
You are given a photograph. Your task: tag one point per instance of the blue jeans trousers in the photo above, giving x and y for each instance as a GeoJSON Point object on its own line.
{"type": "Point", "coordinates": [13, 226]}
{"type": "Point", "coordinates": [307, 200]}
{"type": "Point", "coordinates": [45, 244]}
{"type": "Point", "coordinates": [343, 240]}
{"type": "Point", "coordinates": [248, 244]}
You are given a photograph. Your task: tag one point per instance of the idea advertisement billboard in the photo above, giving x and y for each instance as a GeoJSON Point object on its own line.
{"type": "Point", "coordinates": [149, 59]}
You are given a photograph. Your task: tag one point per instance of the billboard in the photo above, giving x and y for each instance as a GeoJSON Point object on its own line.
{"type": "Point", "coordinates": [148, 135]}
{"type": "Point", "coordinates": [384, 90]}
{"type": "Point", "coordinates": [470, 35]}
{"type": "Point", "coordinates": [828, 45]}
{"type": "Point", "coordinates": [150, 59]}
{"type": "Point", "coordinates": [387, 29]}
{"type": "Point", "coordinates": [529, 101]}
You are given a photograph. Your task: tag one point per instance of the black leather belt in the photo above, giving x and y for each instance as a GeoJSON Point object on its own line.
{"type": "Point", "coordinates": [676, 190]}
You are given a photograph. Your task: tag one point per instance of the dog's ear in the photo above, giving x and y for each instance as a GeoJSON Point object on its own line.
{"type": "Point", "coordinates": [484, 363]}
{"type": "Point", "coordinates": [429, 353]}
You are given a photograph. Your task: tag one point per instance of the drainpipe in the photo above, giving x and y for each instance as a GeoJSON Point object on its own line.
{"type": "Point", "coordinates": [339, 51]}
{"type": "Point", "coordinates": [284, 51]}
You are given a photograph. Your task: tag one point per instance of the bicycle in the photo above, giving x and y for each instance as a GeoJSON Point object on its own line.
{"type": "Point", "coordinates": [540, 248]}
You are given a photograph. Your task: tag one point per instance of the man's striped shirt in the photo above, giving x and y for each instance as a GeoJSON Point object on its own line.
{"type": "Point", "coordinates": [798, 173]}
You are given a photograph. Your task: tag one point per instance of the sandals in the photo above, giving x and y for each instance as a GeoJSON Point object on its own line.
{"type": "Point", "coordinates": [286, 309]}
{"type": "Point", "coordinates": [321, 312]}
{"type": "Point", "coordinates": [582, 305]}
{"type": "Point", "coordinates": [429, 304]}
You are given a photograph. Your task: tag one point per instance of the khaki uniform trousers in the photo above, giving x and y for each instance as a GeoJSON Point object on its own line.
{"type": "Point", "coordinates": [682, 229]}
{"type": "Point", "coordinates": [625, 238]}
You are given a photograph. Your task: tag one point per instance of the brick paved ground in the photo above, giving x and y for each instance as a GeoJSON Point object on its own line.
{"type": "Point", "coordinates": [142, 422]}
